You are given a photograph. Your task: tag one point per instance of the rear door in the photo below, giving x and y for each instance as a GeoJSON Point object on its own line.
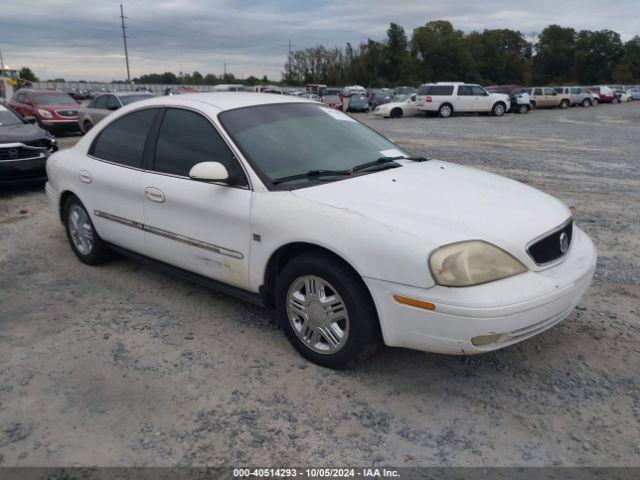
{"type": "Point", "coordinates": [198, 226]}
{"type": "Point", "coordinates": [97, 109]}
{"type": "Point", "coordinates": [464, 99]}
{"type": "Point", "coordinates": [110, 179]}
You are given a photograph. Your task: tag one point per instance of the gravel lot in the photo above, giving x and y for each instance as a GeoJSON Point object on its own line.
{"type": "Point", "coordinates": [123, 365]}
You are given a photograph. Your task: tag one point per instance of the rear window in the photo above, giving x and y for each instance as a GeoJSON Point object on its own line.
{"type": "Point", "coordinates": [436, 90]}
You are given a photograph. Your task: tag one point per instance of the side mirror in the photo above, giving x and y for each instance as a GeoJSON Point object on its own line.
{"type": "Point", "coordinates": [209, 172]}
{"type": "Point", "coordinates": [30, 119]}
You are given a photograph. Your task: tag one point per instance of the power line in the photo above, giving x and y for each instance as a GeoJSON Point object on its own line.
{"type": "Point", "coordinates": [124, 37]}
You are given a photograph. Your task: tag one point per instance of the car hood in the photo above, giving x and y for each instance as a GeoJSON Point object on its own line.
{"type": "Point", "coordinates": [390, 105]}
{"type": "Point", "coordinates": [21, 133]}
{"type": "Point", "coordinates": [59, 107]}
{"type": "Point", "coordinates": [500, 96]}
{"type": "Point", "coordinates": [441, 203]}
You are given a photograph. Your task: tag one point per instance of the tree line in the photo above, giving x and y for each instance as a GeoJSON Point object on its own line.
{"type": "Point", "coordinates": [437, 51]}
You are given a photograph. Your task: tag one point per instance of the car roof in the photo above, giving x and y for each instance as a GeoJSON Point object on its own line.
{"type": "Point", "coordinates": [224, 100]}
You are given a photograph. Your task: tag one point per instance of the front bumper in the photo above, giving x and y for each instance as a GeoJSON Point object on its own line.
{"type": "Point", "coordinates": [66, 125]}
{"type": "Point", "coordinates": [23, 171]}
{"type": "Point", "coordinates": [512, 309]}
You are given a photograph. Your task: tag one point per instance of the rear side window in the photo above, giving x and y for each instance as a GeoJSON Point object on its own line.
{"type": "Point", "coordinates": [187, 138]}
{"type": "Point", "coordinates": [123, 140]}
{"type": "Point", "coordinates": [537, 91]}
{"type": "Point", "coordinates": [436, 90]}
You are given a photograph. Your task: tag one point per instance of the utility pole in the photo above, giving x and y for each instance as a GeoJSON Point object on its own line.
{"type": "Point", "coordinates": [289, 63]}
{"type": "Point", "coordinates": [124, 37]}
{"type": "Point", "coordinates": [224, 77]}
{"type": "Point", "coordinates": [1, 61]}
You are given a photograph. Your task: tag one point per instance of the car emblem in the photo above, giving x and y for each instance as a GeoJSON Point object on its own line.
{"type": "Point", "coordinates": [13, 153]}
{"type": "Point", "coordinates": [564, 242]}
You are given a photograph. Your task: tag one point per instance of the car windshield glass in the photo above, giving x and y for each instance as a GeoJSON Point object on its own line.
{"type": "Point", "coordinates": [127, 99]}
{"type": "Point", "coordinates": [53, 99]}
{"type": "Point", "coordinates": [291, 139]}
{"type": "Point", "coordinates": [7, 117]}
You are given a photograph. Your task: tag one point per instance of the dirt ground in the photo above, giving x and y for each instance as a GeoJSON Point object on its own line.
{"type": "Point", "coordinates": [124, 365]}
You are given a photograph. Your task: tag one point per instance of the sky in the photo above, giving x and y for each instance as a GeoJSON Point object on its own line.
{"type": "Point", "coordinates": [82, 39]}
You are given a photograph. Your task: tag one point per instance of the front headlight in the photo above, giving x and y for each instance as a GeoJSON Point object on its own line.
{"type": "Point", "coordinates": [45, 113]}
{"type": "Point", "coordinates": [463, 264]}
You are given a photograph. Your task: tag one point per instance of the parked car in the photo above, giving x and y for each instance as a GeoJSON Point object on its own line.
{"type": "Point", "coordinates": [518, 96]}
{"type": "Point", "coordinates": [54, 110]}
{"type": "Point", "coordinates": [635, 93]}
{"type": "Point", "coordinates": [404, 105]}
{"type": "Point", "coordinates": [577, 95]}
{"type": "Point", "coordinates": [623, 95]}
{"type": "Point", "coordinates": [104, 104]}
{"type": "Point", "coordinates": [605, 94]}
{"type": "Point", "coordinates": [332, 101]}
{"type": "Point", "coordinates": [380, 97]}
{"type": "Point", "coordinates": [547, 97]}
{"type": "Point", "coordinates": [446, 98]}
{"type": "Point", "coordinates": [358, 103]}
{"type": "Point", "coordinates": [347, 236]}
{"type": "Point", "coordinates": [24, 148]}
{"type": "Point", "coordinates": [354, 90]}
{"type": "Point", "coordinates": [311, 96]}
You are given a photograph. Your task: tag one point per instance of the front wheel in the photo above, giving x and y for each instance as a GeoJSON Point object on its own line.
{"type": "Point", "coordinates": [523, 109]}
{"type": "Point", "coordinates": [395, 113]}
{"type": "Point", "coordinates": [586, 103]}
{"type": "Point", "coordinates": [594, 102]}
{"type": "Point", "coordinates": [326, 311]}
{"type": "Point", "coordinates": [564, 104]}
{"type": "Point", "coordinates": [498, 109]}
{"type": "Point", "coordinates": [83, 238]}
{"type": "Point", "coordinates": [615, 100]}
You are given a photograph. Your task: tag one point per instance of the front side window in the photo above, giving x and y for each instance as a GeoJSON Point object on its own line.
{"type": "Point", "coordinates": [100, 102]}
{"type": "Point", "coordinates": [478, 91]}
{"type": "Point", "coordinates": [112, 102]}
{"type": "Point", "coordinates": [123, 140]}
{"type": "Point", "coordinates": [187, 138]}
{"type": "Point", "coordinates": [281, 140]}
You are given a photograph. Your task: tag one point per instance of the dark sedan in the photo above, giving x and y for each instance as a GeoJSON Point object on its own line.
{"type": "Point", "coordinates": [24, 148]}
{"type": "Point", "coordinates": [358, 103]}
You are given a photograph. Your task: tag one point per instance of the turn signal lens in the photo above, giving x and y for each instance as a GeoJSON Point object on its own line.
{"type": "Point", "coordinates": [463, 264]}
{"type": "Point", "coordinates": [412, 302]}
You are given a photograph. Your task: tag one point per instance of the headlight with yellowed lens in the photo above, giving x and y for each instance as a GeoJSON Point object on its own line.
{"type": "Point", "coordinates": [473, 262]}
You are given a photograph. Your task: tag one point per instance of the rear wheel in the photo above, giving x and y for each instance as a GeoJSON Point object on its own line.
{"type": "Point", "coordinates": [564, 104]}
{"type": "Point", "coordinates": [85, 241]}
{"type": "Point", "coordinates": [498, 109]}
{"type": "Point", "coordinates": [326, 311]}
{"type": "Point", "coordinates": [395, 113]}
{"type": "Point", "coordinates": [445, 110]}
{"type": "Point", "coordinates": [594, 102]}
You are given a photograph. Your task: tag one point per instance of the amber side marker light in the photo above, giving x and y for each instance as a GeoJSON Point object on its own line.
{"type": "Point", "coordinates": [412, 302]}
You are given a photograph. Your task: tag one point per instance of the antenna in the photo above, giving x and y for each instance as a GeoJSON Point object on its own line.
{"type": "Point", "coordinates": [124, 37]}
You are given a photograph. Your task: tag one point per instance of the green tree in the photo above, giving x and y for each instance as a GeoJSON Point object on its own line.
{"type": "Point", "coordinates": [501, 56]}
{"type": "Point", "coordinates": [596, 56]}
{"type": "Point", "coordinates": [628, 69]}
{"type": "Point", "coordinates": [555, 55]}
{"type": "Point", "coordinates": [397, 57]}
{"type": "Point", "coordinates": [26, 73]}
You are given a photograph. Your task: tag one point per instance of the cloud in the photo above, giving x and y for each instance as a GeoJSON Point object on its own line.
{"type": "Point", "coordinates": [82, 39]}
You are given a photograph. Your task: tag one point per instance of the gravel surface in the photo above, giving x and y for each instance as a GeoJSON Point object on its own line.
{"type": "Point", "coordinates": [124, 365]}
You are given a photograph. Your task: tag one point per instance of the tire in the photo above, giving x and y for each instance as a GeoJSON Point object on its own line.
{"type": "Point", "coordinates": [533, 105]}
{"type": "Point", "coordinates": [586, 103]}
{"type": "Point", "coordinates": [357, 320]}
{"type": "Point", "coordinates": [564, 104]}
{"type": "Point", "coordinates": [498, 109]}
{"type": "Point", "coordinates": [395, 113]}
{"type": "Point", "coordinates": [594, 102]}
{"type": "Point", "coordinates": [445, 110]}
{"type": "Point", "coordinates": [83, 238]}
{"type": "Point", "coordinates": [522, 109]}
{"type": "Point", "coordinates": [87, 125]}
{"type": "Point", "coordinates": [615, 100]}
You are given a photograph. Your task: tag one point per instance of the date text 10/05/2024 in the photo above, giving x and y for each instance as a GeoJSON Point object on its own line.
{"type": "Point", "coordinates": [316, 472]}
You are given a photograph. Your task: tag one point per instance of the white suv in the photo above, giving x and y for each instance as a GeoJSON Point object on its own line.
{"type": "Point", "coordinates": [445, 98]}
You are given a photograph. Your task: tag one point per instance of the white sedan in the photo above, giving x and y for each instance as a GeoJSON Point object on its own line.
{"type": "Point", "coordinates": [295, 206]}
{"type": "Point", "coordinates": [403, 108]}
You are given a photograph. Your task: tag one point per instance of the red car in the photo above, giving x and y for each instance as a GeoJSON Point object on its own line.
{"type": "Point", "coordinates": [53, 109]}
{"type": "Point", "coordinates": [332, 101]}
{"type": "Point", "coordinates": [605, 94]}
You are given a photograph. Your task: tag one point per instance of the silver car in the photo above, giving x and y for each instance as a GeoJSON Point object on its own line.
{"type": "Point", "coordinates": [104, 104]}
{"type": "Point", "coordinates": [578, 95]}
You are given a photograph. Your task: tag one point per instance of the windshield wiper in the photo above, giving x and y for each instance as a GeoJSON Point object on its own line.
{"type": "Point", "coordinates": [311, 174]}
{"type": "Point", "coordinates": [385, 160]}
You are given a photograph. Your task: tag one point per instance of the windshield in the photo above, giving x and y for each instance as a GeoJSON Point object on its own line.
{"type": "Point", "coordinates": [53, 99]}
{"type": "Point", "coordinates": [290, 139]}
{"type": "Point", "coordinates": [127, 99]}
{"type": "Point", "coordinates": [7, 117]}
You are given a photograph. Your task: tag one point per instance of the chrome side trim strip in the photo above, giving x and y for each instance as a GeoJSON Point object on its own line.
{"type": "Point", "coordinates": [170, 235]}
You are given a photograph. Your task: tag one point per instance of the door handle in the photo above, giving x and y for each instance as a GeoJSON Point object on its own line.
{"type": "Point", "coordinates": [85, 176]}
{"type": "Point", "coordinates": [154, 194]}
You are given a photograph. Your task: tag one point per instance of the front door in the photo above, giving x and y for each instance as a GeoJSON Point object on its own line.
{"type": "Point", "coordinates": [198, 226]}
